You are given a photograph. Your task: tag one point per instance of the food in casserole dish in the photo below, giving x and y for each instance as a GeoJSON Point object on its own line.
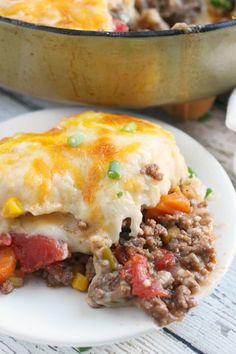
{"type": "Point", "coordinates": [105, 203]}
{"type": "Point", "coordinates": [118, 15]}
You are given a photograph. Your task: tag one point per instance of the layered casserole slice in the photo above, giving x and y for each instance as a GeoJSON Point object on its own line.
{"type": "Point", "coordinates": [105, 203]}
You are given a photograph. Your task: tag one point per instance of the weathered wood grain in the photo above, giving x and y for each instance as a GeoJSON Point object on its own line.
{"type": "Point", "coordinates": [155, 342]}
{"type": "Point", "coordinates": [210, 328]}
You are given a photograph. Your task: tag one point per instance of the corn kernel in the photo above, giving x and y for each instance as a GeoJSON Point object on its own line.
{"type": "Point", "coordinates": [80, 282]}
{"type": "Point", "coordinates": [12, 208]}
{"type": "Point", "coordinates": [17, 281]}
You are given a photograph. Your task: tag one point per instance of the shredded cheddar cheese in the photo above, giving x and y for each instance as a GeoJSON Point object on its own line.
{"type": "Point", "coordinates": [72, 14]}
{"type": "Point", "coordinates": [55, 185]}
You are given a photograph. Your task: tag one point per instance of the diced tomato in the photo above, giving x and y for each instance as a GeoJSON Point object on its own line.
{"type": "Point", "coordinates": [120, 26]}
{"type": "Point", "coordinates": [7, 263]}
{"type": "Point", "coordinates": [143, 284]}
{"type": "Point", "coordinates": [169, 204]}
{"type": "Point", "coordinates": [167, 260]}
{"type": "Point", "coordinates": [121, 254]}
{"type": "Point", "coordinates": [5, 240]}
{"type": "Point", "coordinates": [33, 252]}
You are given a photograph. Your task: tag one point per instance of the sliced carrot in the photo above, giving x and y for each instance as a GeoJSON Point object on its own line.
{"type": "Point", "coordinates": [177, 201]}
{"type": "Point", "coordinates": [159, 209]}
{"type": "Point", "coordinates": [169, 204]}
{"type": "Point", "coordinates": [7, 263]}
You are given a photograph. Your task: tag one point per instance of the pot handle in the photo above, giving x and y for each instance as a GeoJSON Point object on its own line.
{"type": "Point", "coordinates": [231, 118]}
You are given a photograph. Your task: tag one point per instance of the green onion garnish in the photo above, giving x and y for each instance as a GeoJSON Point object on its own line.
{"type": "Point", "coordinates": [130, 127]}
{"type": "Point", "coordinates": [75, 140]}
{"type": "Point", "coordinates": [226, 4]}
{"type": "Point", "coordinates": [209, 191]}
{"type": "Point", "coordinates": [191, 173]}
{"type": "Point", "coordinates": [114, 170]}
{"type": "Point", "coordinates": [119, 194]}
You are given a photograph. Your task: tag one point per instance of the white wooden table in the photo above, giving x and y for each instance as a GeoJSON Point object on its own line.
{"type": "Point", "coordinates": [211, 327]}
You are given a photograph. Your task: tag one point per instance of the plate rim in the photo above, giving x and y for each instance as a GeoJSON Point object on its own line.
{"type": "Point", "coordinates": [66, 111]}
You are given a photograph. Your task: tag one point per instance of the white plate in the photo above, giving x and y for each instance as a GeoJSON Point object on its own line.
{"type": "Point", "coordinates": [61, 316]}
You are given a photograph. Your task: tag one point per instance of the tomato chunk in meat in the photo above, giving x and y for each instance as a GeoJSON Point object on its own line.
{"type": "Point", "coordinates": [120, 26]}
{"type": "Point", "coordinates": [144, 285]}
{"type": "Point", "coordinates": [33, 252]}
{"type": "Point", "coordinates": [167, 260]}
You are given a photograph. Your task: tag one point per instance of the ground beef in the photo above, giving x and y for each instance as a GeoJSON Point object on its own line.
{"type": "Point", "coordinates": [192, 262]}
{"type": "Point", "coordinates": [156, 308]}
{"type": "Point", "coordinates": [152, 170]}
{"type": "Point", "coordinates": [62, 273]}
{"type": "Point", "coordinates": [89, 269]}
{"type": "Point", "coordinates": [158, 15]}
{"type": "Point", "coordinates": [108, 290]}
{"type": "Point", "coordinates": [185, 277]}
{"type": "Point", "coordinates": [151, 228]}
{"type": "Point", "coordinates": [82, 225]}
{"type": "Point", "coordinates": [193, 257]}
{"type": "Point", "coordinates": [164, 14]}
{"type": "Point", "coordinates": [179, 254]}
{"type": "Point", "coordinates": [58, 274]}
{"type": "Point", "coordinates": [173, 11]}
{"type": "Point", "coordinates": [183, 298]}
{"type": "Point", "coordinates": [6, 287]}
{"type": "Point", "coordinates": [165, 278]}
{"type": "Point", "coordinates": [151, 19]}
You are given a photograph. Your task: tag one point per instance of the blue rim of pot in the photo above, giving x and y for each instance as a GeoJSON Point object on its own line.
{"type": "Point", "coordinates": [142, 34]}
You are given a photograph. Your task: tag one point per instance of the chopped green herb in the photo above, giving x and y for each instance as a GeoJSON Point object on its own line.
{"type": "Point", "coordinates": [84, 349]}
{"type": "Point", "coordinates": [225, 4]}
{"type": "Point", "coordinates": [209, 191]}
{"type": "Point", "coordinates": [191, 173]}
{"type": "Point", "coordinates": [114, 170]}
{"type": "Point", "coordinates": [204, 118]}
{"type": "Point", "coordinates": [75, 140]}
{"type": "Point", "coordinates": [119, 194]}
{"type": "Point", "coordinates": [130, 127]}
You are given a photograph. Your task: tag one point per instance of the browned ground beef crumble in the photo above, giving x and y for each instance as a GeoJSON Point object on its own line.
{"type": "Point", "coordinates": [163, 14]}
{"type": "Point", "coordinates": [179, 14]}
{"type": "Point", "coordinates": [192, 245]}
{"type": "Point", "coordinates": [152, 170]}
{"type": "Point", "coordinates": [6, 287]}
{"type": "Point", "coordinates": [195, 254]}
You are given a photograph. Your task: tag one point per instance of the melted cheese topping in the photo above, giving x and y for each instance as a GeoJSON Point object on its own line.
{"type": "Point", "coordinates": [57, 185]}
{"type": "Point", "coordinates": [73, 14]}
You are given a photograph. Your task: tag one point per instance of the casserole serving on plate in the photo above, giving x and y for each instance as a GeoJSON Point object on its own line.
{"type": "Point", "coordinates": [105, 203]}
